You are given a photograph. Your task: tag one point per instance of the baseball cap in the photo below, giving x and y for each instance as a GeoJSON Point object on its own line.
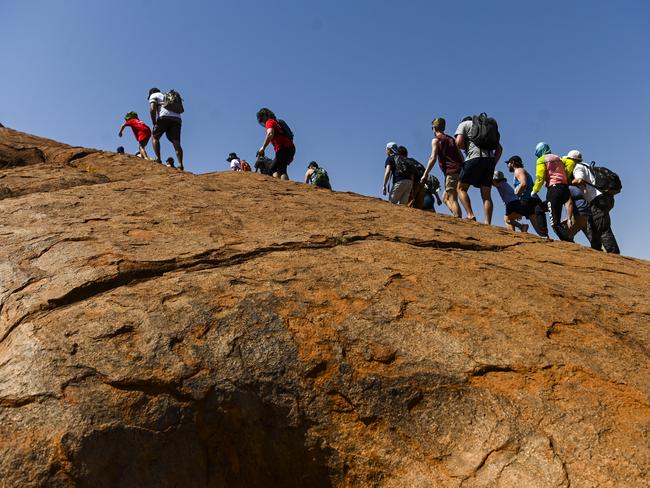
{"type": "Point", "coordinates": [392, 146]}
{"type": "Point", "coordinates": [575, 155]}
{"type": "Point", "coordinates": [231, 156]}
{"type": "Point", "coordinates": [515, 158]}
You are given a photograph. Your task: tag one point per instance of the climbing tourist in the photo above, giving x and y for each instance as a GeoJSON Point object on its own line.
{"type": "Point", "coordinates": [601, 200]}
{"type": "Point", "coordinates": [233, 159]}
{"type": "Point", "coordinates": [551, 170]}
{"type": "Point", "coordinates": [479, 137]}
{"type": "Point", "coordinates": [165, 110]}
{"type": "Point", "coordinates": [450, 160]}
{"type": "Point", "coordinates": [579, 212]}
{"type": "Point", "coordinates": [530, 207]}
{"type": "Point", "coordinates": [280, 135]}
{"type": "Point", "coordinates": [510, 200]}
{"type": "Point", "coordinates": [141, 131]}
{"type": "Point", "coordinates": [415, 170]}
{"type": "Point", "coordinates": [317, 176]}
{"type": "Point", "coordinates": [395, 167]}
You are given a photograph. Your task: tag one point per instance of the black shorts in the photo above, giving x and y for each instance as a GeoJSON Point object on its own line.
{"type": "Point", "coordinates": [170, 126]}
{"type": "Point", "coordinates": [524, 206]}
{"type": "Point", "coordinates": [282, 159]}
{"type": "Point", "coordinates": [478, 172]}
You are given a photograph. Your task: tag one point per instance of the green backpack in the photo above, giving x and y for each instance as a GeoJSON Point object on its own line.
{"type": "Point", "coordinates": [320, 178]}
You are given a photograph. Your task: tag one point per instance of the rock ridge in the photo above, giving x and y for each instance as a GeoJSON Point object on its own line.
{"type": "Point", "coordinates": [165, 329]}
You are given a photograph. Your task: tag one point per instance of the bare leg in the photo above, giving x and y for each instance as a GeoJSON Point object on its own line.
{"type": "Point", "coordinates": [156, 148]}
{"type": "Point", "coordinates": [486, 194]}
{"type": "Point", "coordinates": [464, 199]}
{"type": "Point", "coordinates": [179, 153]}
{"type": "Point", "coordinates": [512, 221]}
{"type": "Point", "coordinates": [143, 152]}
{"type": "Point", "coordinates": [452, 204]}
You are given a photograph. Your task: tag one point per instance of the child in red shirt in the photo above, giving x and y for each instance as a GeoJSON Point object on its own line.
{"type": "Point", "coordinates": [141, 131]}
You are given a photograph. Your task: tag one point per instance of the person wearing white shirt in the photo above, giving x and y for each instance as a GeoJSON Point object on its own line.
{"type": "Point", "coordinates": [600, 231]}
{"type": "Point", "coordinates": [235, 164]}
{"type": "Point", "coordinates": [164, 122]}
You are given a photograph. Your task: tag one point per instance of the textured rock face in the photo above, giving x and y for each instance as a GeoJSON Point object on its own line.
{"type": "Point", "coordinates": [172, 330]}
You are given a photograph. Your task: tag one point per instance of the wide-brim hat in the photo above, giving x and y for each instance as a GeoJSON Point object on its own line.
{"type": "Point", "coordinates": [231, 156]}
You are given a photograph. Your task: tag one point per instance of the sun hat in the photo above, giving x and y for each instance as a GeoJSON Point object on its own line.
{"type": "Point", "coordinates": [232, 156]}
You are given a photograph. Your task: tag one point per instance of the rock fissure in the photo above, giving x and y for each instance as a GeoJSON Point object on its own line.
{"type": "Point", "coordinates": [130, 272]}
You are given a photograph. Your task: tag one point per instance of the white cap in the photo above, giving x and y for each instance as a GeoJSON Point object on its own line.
{"type": "Point", "coordinates": [392, 146]}
{"type": "Point", "coordinates": [575, 155]}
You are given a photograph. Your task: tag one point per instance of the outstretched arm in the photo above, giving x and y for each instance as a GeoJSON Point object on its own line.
{"type": "Point", "coordinates": [121, 129]}
{"type": "Point", "coordinates": [497, 153]}
{"type": "Point", "coordinates": [267, 140]}
{"type": "Point", "coordinates": [540, 175]}
{"type": "Point", "coordinates": [153, 112]}
{"type": "Point", "coordinates": [460, 141]}
{"type": "Point", "coordinates": [386, 176]}
{"type": "Point", "coordinates": [308, 175]}
{"type": "Point", "coordinates": [432, 159]}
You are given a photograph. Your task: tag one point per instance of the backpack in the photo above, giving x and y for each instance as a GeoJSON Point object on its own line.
{"type": "Point", "coordinates": [432, 185]}
{"type": "Point", "coordinates": [402, 167]}
{"type": "Point", "coordinates": [263, 164]}
{"type": "Point", "coordinates": [407, 167]}
{"type": "Point", "coordinates": [286, 130]}
{"type": "Point", "coordinates": [320, 178]}
{"type": "Point", "coordinates": [173, 102]}
{"type": "Point", "coordinates": [605, 179]}
{"type": "Point", "coordinates": [244, 166]}
{"type": "Point", "coordinates": [417, 169]}
{"type": "Point", "coordinates": [484, 132]}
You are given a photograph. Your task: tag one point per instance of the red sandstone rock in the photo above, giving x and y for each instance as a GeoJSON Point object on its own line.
{"type": "Point", "coordinates": [165, 329]}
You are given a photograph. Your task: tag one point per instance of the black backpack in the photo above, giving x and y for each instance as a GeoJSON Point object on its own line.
{"type": "Point", "coordinates": [406, 168]}
{"type": "Point", "coordinates": [605, 179]}
{"type": "Point", "coordinates": [286, 130]}
{"type": "Point", "coordinates": [173, 102]}
{"type": "Point", "coordinates": [417, 169]}
{"type": "Point", "coordinates": [484, 132]}
{"type": "Point", "coordinates": [432, 185]}
{"type": "Point", "coordinates": [263, 164]}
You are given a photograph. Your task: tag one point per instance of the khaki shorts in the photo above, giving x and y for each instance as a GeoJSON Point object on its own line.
{"type": "Point", "coordinates": [451, 182]}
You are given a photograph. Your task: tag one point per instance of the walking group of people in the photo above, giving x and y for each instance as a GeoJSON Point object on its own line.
{"type": "Point", "coordinates": [165, 110]}
{"type": "Point", "coordinates": [586, 191]}
{"type": "Point", "coordinates": [469, 158]}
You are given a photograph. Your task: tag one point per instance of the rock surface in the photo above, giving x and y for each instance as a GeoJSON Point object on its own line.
{"type": "Point", "coordinates": [165, 329]}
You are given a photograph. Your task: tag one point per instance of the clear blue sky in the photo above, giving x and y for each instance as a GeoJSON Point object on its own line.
{"type": "Point", "coordinates": [347, 76]}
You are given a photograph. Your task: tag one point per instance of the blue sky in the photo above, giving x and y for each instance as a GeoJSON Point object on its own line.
{"type": "Point", "coordinates": [347, 76]}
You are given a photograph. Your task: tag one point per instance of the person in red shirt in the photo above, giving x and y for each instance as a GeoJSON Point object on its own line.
{"type": "Point", "coordinates": [279, 134]}
{"type": "Point", "coordinates": [141, 131]}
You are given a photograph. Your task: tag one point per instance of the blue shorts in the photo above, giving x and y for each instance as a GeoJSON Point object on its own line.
{"type": "Point", "coordinates": [478, 172]}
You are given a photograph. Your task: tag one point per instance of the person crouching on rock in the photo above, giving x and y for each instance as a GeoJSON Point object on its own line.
{"type": "Point", "coordinates": [141, 131]}
{"type": "Point", "coordinates": [279, 134]}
